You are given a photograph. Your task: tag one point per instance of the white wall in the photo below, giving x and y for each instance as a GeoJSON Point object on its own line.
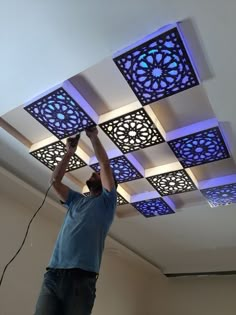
{"type": "Point", "coordinates": [125, 284]}
{"type": "Point", "coordinates": [212, 295]}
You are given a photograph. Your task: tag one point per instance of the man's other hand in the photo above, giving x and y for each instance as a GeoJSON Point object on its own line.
{"type": "Point", "coordinates": [71, 145]}
{"type": "Point", "coordinates": [91, 132]}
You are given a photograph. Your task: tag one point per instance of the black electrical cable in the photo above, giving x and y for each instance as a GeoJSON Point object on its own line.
{"type": "Point", "coordinates": [25, 234]}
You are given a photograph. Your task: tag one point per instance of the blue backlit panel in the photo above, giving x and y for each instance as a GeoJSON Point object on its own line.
{"type": "Point", "coordinates": [158, 68]}
{"type": "Point", "coordinates": [123, 170]}
{"type": "Point", "coordinates": [200, 148]}
{"type": "Point", "coordinates": [172, 183]}
{"type": "Point", "coordinates": [132, 131]}
{"type": "Point", "coordinates": [60, 114]}
{"type": "Point", "coordinates": [153, 207]}
{"type": "Point", "coordinates": [52, 154]}
{"type": "Point", "coordinates": [220, 195]}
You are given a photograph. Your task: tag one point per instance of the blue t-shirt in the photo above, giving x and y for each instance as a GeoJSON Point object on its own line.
{"type": "Point", "coordinates": [81, 239]}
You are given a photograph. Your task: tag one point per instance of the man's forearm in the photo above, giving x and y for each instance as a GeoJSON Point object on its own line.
{"type": "Point", "coordinates": [60, 169]}
{"type": "Point", "coordinates": [99, 150]}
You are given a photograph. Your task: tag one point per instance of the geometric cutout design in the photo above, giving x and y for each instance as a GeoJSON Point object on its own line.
{"type": "Point", "coordinates": [158, 68]}
{"type": "Point", "coordinates": [132, 131]}
{"type": "Point", "coordinates": [200, 148]}
{"type": "Point", "coordinates": [153, 207]}
{"type": "Point", "coordinates": [86, 194]}
{"type": "Point", "coordinates": [123, 170]}
{"type": "Point", "coordinates": [220, 195]}
{"type": "Point", "coordinates": [172, 183]}
{"type": "Point", "coordinates": [120, 200]}
{"type": "Point", "coordinates": [60, 114]}
{"type": "Point", "coordinates": [52, 154]}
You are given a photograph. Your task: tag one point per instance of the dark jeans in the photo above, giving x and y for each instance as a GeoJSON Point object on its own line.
{"type": "Point", "coordinates": [67, 292]}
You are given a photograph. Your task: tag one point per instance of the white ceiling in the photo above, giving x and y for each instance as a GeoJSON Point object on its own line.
{"type": "Point", "coordinates": [47, 46]}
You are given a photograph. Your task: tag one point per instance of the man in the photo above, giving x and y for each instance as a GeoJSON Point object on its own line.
{"type": "Point", "coordinates": [70, 281]}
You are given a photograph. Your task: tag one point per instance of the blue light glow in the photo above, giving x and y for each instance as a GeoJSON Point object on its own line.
{"type": "Point", "coordinates": [220, 195]}
{"type": "Point", "coordinates": [158, 68]}
{"type": "Point", "coordinates": [200, 148]}
{"type": "Point", "coordinates": [153, 207]}
{"type": "Point", "coordinates": [60, 114]}
{"type": "Point", "coordinates": [123, 170]}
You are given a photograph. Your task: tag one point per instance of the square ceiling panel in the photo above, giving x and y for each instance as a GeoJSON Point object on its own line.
{"type": "Point", "coordinates": [123, 170]}
{"type": "Point", "coordinates": [220, 195]}
{"type": "Point", "coordinates": [153, 207]}
{"type": "Point", "coordinates": [199, 148]}
{"type": "Point", "coordinates": [52, 154]}
{"type": "Point", "coordinates": [158, 67]}
{"type": "Point", "coordinates": [120, 200]}
{"type": "Point", "coordinates": [60, 114]}
{"type": "Point", "coordinates": [172, 183]}
{"type": "Point", "coordinates": [133, 131]}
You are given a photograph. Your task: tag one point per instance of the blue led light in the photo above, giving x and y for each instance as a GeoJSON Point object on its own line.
{"type": "Point", "coordinates": [123, 170]}
{"type": "Point", "coordinates": [158, 68]}
{"type": "Point", "coordinates": [172, 183]}
{"type": "Point", "coordinates": [200, 148]}
{"type": "Point", "coordinates": [153, 207]}
{"type": "Point", "coordinates": [60, 114]}
{"type": "Point", "coordinates": [220, 195]}
{"type": "Point", "coordinates": [52, 154]}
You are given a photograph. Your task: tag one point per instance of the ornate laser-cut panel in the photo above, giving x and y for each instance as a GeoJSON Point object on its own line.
{"type": "Point", "coordinates": [200, 148]}
{"type": "Point", "coordinates": [158, 68]}
{"type": "Point", "coordinates": [123, 170]}
{"type": "Point", "coordinates": [60, 114]}
{"type": "Point", "coordinates": [52, 154]}
{"type": "Point", "coordinates": [153, 207]}
{"type": "Point", "coordinates": [86, 194]}
{"type": "Point", "coordinates": [120, 200]}
{"type": "Point", "coordinates": [220, 195]}
{"type": "Point", "coordinates": [132, 131]}
{"type": "Point", "coordinates": [172, 183]}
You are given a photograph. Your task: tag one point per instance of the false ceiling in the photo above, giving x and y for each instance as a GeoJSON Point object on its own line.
{"type": "Point", "coordinates": [154, 166]}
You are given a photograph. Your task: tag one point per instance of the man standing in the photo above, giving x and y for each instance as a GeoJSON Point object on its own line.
{"type": "Point", "coordinates": [69, 284]}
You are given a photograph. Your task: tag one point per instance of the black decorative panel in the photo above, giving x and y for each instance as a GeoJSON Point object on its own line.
{"type": "Point", "coordinates": [220, 195]}
{"type": "Point", "coordinates": [200, 148]}
{"type": "Point", "coordinates": [132, 131]}
{"type": "Point", "coordinates": [52, 154]}
{"type": "Point", "coordinates": [153, 207]}
{"type": "Point", "coordinates": [123, 170]}
{"type": "Point", "coordinates": [172, 183]}
{"type": "Point", "coordinates": [60, 114]}
{"type": "Point", "coordinates": [87, 194]}
{"type": "Point", "coordinates": [158, 68]}
{"type": "Point", "coordinates": [121, 200]}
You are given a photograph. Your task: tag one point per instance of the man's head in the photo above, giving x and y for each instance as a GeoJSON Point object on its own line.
{"type": "Point", "coordinates": [94, 183]}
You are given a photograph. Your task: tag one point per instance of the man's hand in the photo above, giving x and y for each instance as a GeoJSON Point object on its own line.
{"type": "Point", "coordinates": [91, 132]}
{"type": "Point", "coordinates": [71, 145]}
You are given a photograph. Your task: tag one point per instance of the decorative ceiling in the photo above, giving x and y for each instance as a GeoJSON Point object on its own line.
{"type": "Point", "coordinates": [158, 167]}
